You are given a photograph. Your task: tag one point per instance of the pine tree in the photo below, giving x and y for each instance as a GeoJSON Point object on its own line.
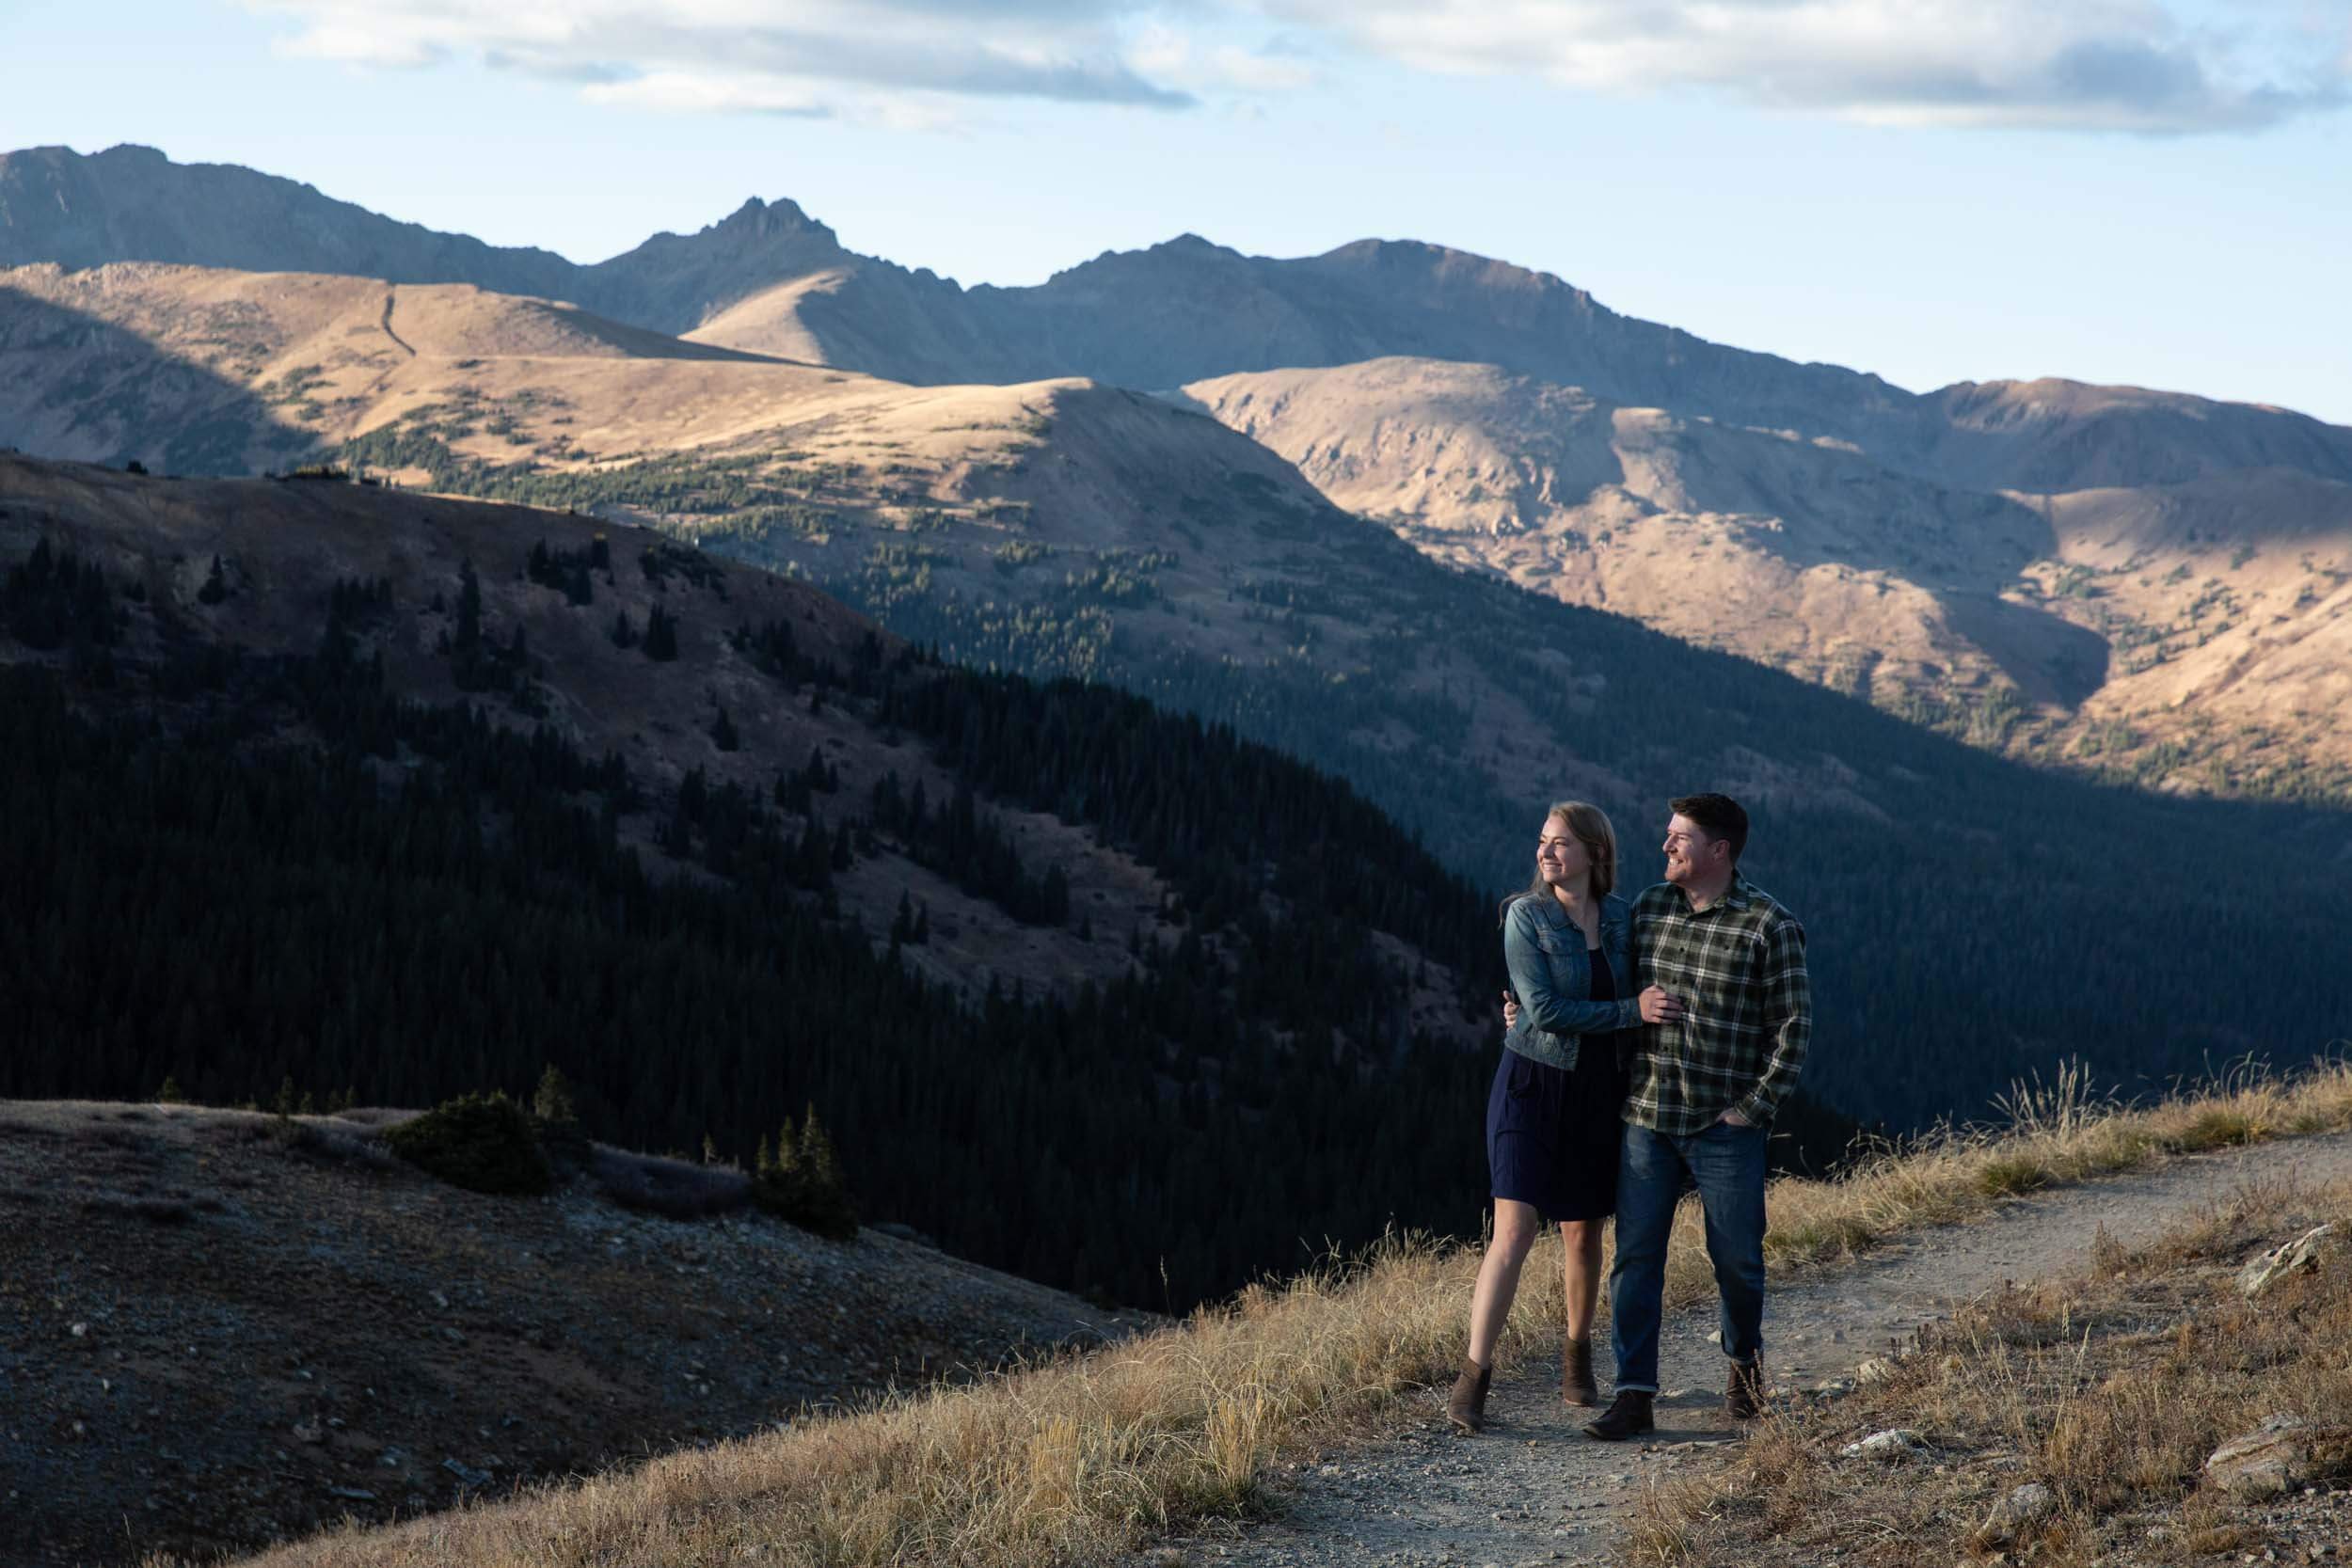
{"type": "Point", "coordinates": [553, 1101]}
{"type": "Point", "coordinates": [468, 639]}
{"type": "Point", "coordinates": [660, 635]}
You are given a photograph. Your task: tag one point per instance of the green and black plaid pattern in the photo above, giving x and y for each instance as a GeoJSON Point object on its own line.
{"type": "Point", "coordinates": [1739, 967]}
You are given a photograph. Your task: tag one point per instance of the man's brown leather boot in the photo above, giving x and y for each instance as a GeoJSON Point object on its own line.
{"type": "Point", "coordinates": [1628, 1417]}
{"type": "Point", "coordinates": [1744, 1397]}
{"type": "Point", "coordinates": [1576, 1372]}
{"type": "Point", "coordinates": [1466, 1408]}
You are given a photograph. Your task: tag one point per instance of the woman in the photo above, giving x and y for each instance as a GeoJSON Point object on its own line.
{"type": "Point", "coordinates": [1552, 1123]}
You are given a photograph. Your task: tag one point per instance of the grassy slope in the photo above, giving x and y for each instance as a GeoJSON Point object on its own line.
{"type": "Point", "coordinates": [1074, 1460]}
{"type": "Point", "coordinates": [2109, 1387]}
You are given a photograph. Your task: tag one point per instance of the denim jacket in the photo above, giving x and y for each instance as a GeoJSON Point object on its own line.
{"type": "Point", "coordinates": [1550, 971]}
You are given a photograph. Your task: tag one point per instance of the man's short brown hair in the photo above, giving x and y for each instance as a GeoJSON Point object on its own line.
{"type": "Point", "coordinates": [1718, 816]}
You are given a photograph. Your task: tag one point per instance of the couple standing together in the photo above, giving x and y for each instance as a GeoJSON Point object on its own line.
{"type": "Point", "coordinates": [1649, 1046]}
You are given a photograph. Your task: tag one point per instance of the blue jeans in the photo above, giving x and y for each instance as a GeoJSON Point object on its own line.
{"type": "Point", "coordinates": [1727, 1166]}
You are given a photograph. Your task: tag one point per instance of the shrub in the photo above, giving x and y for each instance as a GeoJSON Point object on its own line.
{"type": "Point", "coordinates": [482, 1143]}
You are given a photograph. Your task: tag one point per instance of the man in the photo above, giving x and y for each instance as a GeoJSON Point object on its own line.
{"type": "Point", "coordinates": [1726, 1010]}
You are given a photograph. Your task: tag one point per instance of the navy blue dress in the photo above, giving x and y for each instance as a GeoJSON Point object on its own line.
{"type": "Point", "coordinates": [1552, 1133]}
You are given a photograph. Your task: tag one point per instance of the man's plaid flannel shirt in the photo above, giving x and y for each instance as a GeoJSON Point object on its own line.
{"type": "Point", "coordinates": [1739, 967]}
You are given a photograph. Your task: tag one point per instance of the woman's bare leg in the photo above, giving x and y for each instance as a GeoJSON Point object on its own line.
{"type": "Point", "coordinates": [1515, 1225]}
{"type": "Point", "coordinates": [1580, 1241]}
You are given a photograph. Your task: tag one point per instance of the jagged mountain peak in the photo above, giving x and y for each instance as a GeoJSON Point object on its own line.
{"type": "Point", "coordinates": [765, 220]}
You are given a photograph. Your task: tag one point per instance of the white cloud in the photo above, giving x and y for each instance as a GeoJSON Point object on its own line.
{"type": "Point", "coordinates": [2149, 66]}
{"type": "Point", "coordinates": [1166, 55]}
{"type": "Point", "coordinates": [894, 59]}
{"type": "Point", "coordinates": [2100, 65]}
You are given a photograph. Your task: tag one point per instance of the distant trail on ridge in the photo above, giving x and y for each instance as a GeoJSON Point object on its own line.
{"type": "Point", "coordinates": [390, 294]}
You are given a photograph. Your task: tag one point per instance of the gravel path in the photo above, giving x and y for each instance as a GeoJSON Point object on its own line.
{"type": "Point", "coordinates": [1533, 1489]}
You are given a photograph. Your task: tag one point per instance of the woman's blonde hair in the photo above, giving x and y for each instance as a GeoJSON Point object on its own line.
{"type": "Point", "coordinates": [1590, 824]}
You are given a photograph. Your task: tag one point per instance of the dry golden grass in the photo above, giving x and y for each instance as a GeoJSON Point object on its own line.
{"type": "Point", "coordinates": [1075, 1460]}
{"type": "Point", "coordinates": [2110, 1389]}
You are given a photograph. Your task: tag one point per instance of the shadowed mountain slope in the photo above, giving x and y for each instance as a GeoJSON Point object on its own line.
{"type": "Point", "coordinates": [133, 204]}
{"type": "Point", "coordinates": [427, 795]}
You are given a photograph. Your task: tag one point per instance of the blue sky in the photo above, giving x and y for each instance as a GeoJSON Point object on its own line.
{"type": "Point", "coordinates": [2143, 191]}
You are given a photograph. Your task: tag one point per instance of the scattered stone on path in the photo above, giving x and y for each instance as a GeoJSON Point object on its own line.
{"type": "Point", "coordinates": [1891, 1447]}
{"type": "Point", "coordinates": [2284, 1259]}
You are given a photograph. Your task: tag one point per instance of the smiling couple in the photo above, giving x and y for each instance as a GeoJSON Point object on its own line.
{"type": "Point", "coordinates": [1649, 1046]}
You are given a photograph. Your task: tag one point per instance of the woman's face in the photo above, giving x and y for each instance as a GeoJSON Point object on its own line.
{"type": "Point", "coordinates": [1560, 856]}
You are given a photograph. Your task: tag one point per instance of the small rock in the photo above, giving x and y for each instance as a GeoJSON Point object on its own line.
{"type": "Point", "coordinates": [1877, 1369]}
{"type": "Point", "coordinates": [311, 1431]}
{"type": "Point", "coordinates": [354, 1494]}
{"type": "Point", "coordinates": [2280, 1261]}
{"type": "Point", "coordinates": [1892, 1447]}
{"type": "Point", "coordinates": [467, 1475]}
{"type": "Point", "coordinates": [1714, 1336]}
{"type": "Point", "coordinates": [80, 1331]}
{"type": "Point", "coordinates": [2024, 1507]}
{"type": "Point", "coordinates": [2262, 1464]}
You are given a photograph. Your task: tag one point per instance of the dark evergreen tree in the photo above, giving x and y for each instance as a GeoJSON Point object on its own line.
{"type": "Point", "coordinates": [660, 634]}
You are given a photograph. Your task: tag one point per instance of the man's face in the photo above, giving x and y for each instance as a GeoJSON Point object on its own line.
{"type": "Point", "coordinates": [1691, 855]}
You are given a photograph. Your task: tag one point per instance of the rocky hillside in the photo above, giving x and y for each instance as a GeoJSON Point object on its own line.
{"type": "Point", "coordinates": [223, 1329]}
{"type": "Point", "coordinates": [2190, 634]}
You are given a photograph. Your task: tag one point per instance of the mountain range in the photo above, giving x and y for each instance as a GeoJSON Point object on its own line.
{"type": "Point", "coordinates": [1363, 563]}
{"type": "Point", "coordinates": [2147, 585]}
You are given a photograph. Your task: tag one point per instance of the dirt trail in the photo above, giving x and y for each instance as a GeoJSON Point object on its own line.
{"type": "Point", "coordinates": [1533, 1489]}
{"type": "Point", "coordinates": [390, 294]}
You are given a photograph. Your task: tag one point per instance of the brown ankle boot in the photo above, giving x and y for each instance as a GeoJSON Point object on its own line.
{"type": "Point", "coordinates": [1576, 1372]}
{"type": "Point", "coordinates": [1744, 1397]}
{"type": "Point", "coordinates": [1629, 1416]}
{"type": "Point", "coordinates": [1466, 1408]}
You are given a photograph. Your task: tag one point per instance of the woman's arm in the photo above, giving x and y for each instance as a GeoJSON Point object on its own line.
{"type": "Point", "coordinates": [1541, 1005]}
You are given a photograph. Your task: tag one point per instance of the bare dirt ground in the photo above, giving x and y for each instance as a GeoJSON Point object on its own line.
{"type": "Point", "coordinates": [214, 1336]}
{"type": "Point", "coordinates": [1533, 1489]}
